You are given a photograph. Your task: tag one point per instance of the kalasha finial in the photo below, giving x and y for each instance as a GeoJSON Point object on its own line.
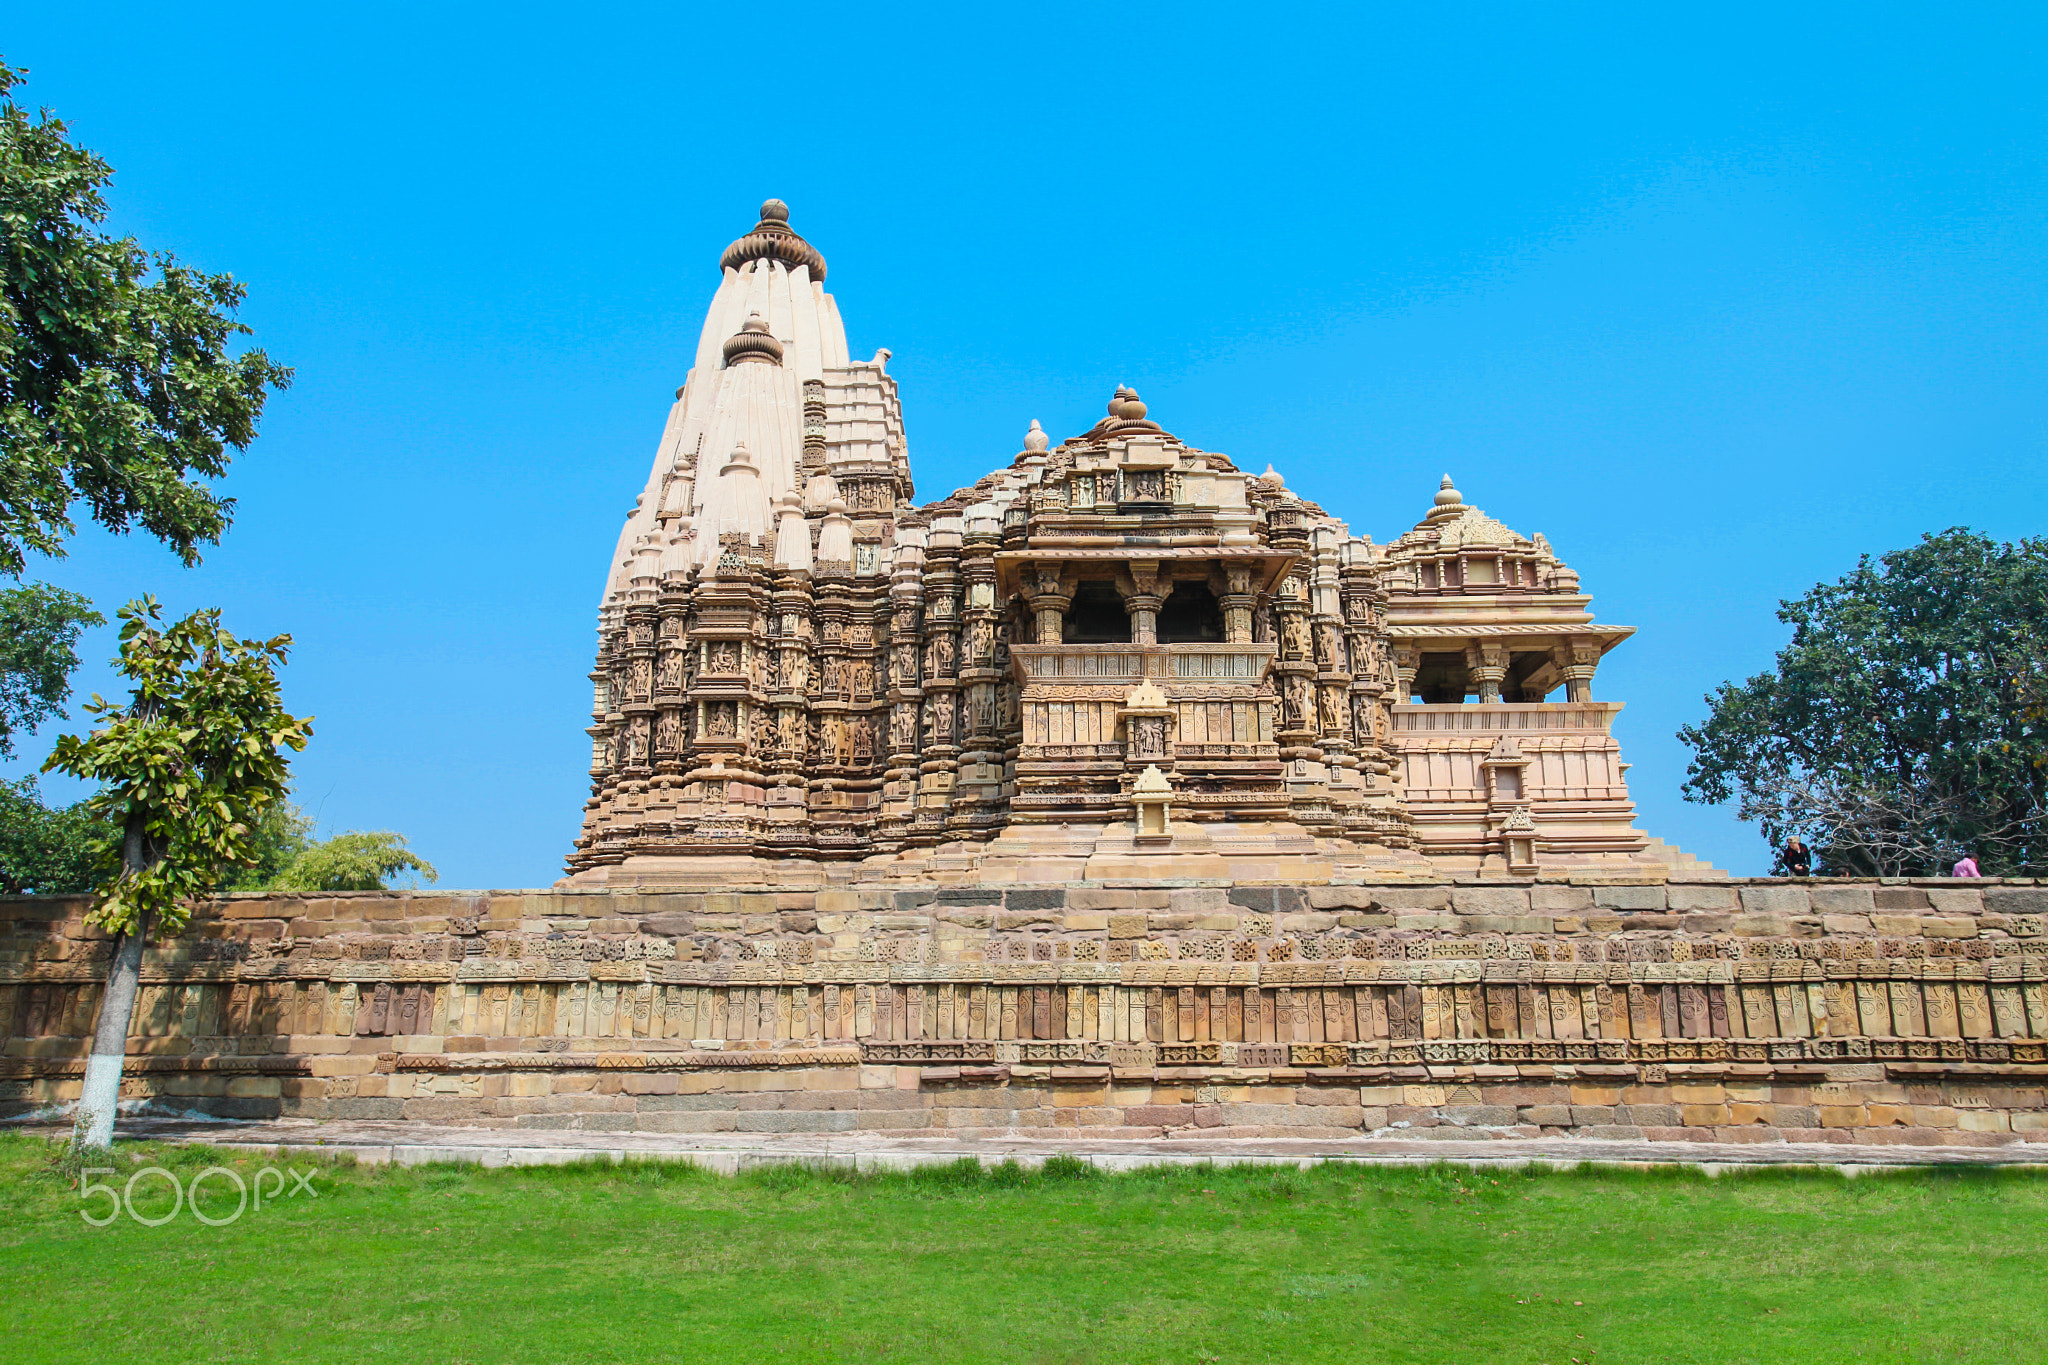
{"type": "Point", "coordinates": [1035, 440]}
{"type": "Point", "coordinates": [775, 211]}
{"type": "Point", "coordinates": [1271, 478]}
{"type": "Point", "coordinates": [1126, 405]}
{"type": "Point", "coordinates": [1446, 495]}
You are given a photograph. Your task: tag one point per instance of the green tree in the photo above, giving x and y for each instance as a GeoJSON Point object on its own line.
{"type": "Point", "coordinates": [188, 770]}
{"type": "Point", "coordinates": [282, 834]}
{"type": "Point", "coordinates": [355, 861]}
{"type": "Point", "coordinates": [117, 386]}
{"type": "Point", "coordinates": [1901, 726]}
{"type": "Point", "coordinates": [39, 630]}
{"type": "Point", "coordinates": [48, 850]}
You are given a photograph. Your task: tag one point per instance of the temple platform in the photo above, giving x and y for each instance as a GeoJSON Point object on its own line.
{"type": "Point", "coordinates": [1652, 1009]}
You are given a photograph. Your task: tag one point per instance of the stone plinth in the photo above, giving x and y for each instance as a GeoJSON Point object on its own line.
{"type": "Point", "coordinates": [1661, 1010]}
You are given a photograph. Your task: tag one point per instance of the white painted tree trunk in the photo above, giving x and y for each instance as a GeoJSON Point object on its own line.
{"type": "Point", "coordinates": [93, 1128]}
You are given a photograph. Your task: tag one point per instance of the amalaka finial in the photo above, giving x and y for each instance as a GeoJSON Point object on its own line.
{"type": "Point", "coordinates": [774, 240]}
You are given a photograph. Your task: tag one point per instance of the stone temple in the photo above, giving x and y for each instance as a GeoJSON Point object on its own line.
{"type": "Point", "coordinates": [1122, 795]}
{"type": "Point", "coordinates": [1119, 656]}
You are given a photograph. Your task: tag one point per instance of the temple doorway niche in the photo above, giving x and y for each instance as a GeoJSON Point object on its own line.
{"type": "Point", "coordinates": [1190, 616]}
{"type": "Point", "coordinates": [1097, 616]}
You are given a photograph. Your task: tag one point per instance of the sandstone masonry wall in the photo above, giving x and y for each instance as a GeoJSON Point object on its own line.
{"type": "Point", "coordinates": [1731, 1010]}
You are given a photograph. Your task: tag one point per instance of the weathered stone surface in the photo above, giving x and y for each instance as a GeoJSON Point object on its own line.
{"type": "Point", "coordinates": [1629, 897]}
{"type": "Point", "coordinates": [1775, 900]}
{"type": "Point", "coordinates": [2016, 900]}
{"type": "Point", "coordinates": [1842, 899]}
{"type": "Point", "coordinates": [1490, 900]}
{"type": "Point", "coordinates": [1204, 1018]}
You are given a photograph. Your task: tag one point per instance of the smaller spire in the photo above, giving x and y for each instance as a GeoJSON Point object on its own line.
{"type": "Point", "coordinates": [835, 537]}
{"type": "Point", "coordinates": [739, 460]}
{"type": "Point", "coordinates": [753, 341]}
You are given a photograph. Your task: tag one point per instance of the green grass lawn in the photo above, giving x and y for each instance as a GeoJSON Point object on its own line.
{"type": "Point", "coordinates": [660, 1262]}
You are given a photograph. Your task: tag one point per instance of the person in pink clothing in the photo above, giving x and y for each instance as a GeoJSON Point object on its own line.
{"type": "Point", "coordinates": [1966, 868]}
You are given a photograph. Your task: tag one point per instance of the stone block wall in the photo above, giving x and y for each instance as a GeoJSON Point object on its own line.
{"type": "Point", "coordinates": [1728, 1010]}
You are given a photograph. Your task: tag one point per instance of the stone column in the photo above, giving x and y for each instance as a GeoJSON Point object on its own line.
{"type": "Point", "coordinates": [1488, 666]}
{"type": "Point", "coordinates": [1407, 663]}
{"type": "Point", "coordinates": [1143, 603]}
{"type": "Point", "coordinates": [905, 691]}
{"type": "Point", "coordinates": [940, 751]}
{"type": "Point", "coordinates": [1237, 603]}
{"type": "Point", "coordinates": [1577, 662]}
{"type": "Point", "coordinates": [792, 606]}
{"type": "Point", "coordinates": [1048, 604]}
{"type": "Point", "coordinates": [979, 786]}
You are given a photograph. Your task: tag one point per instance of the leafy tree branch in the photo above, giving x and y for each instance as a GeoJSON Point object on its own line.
{"type": "Point", "coordinates": [118, 386]}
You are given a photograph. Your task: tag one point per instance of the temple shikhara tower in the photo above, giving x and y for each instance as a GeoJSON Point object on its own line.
{"type": "Point", "coordinates": [1115, 657]}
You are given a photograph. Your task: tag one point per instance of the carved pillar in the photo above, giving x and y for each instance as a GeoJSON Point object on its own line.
{"type": "Point", "coordinates": [1576, 662]}
{"type": "Point", "coordinates": [1237, 603]}
{"type": "Point", "coordinates": [979, 784]}
{"type": "Point", "coordinates": [641, 621]}
{"type": "Point", "coordinates": [790, 677]}
{"type": "Point", "coordinates": [940, 752]}
{"type": "Point", "coordinates": [1143, 603]}
{"type": "Point", "coordinates": [1407, 663]}
{"type": "Point", "coordinates": [814, 427]}
{"type": "Point", "coordinates": [1488, 666]}
{"type": "Point", "coordinates": [1048, 604]}
{"type": "Point", "coordinates": [832, 687]}
{"type": "Point", "coordinates": [670, 738]}
{"type": "Point", "coordinates": [906, 688]}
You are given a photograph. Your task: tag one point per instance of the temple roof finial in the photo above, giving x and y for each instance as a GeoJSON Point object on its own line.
{"type": "Point", "coordinates": [1447, 495]}
{"type": "Point", "coordinates": [774, 240]}
{"type": "Point", "coordinates": [1035, 440]}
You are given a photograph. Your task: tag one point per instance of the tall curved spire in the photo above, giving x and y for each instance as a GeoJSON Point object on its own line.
{"type": "Point", "coordinates": [771, 335]}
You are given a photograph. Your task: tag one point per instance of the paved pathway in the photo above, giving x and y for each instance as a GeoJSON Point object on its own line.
{"type": "Point", "coordinates": [412, 1143]}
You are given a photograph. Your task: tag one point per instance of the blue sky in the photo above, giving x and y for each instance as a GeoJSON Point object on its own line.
{"type": "Point", "coordinates": [1716, 297]}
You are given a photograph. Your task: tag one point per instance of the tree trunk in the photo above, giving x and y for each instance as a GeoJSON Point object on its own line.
{"type": "Point", "coordinates": [94, 1126]}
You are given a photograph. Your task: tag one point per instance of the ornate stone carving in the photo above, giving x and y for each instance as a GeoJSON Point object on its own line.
{"type": "Point", "coordinates": [872, 677]}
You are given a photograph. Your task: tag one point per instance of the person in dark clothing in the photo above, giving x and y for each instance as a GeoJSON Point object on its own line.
{"type": "Point", "coordinates": [1798, 861]}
